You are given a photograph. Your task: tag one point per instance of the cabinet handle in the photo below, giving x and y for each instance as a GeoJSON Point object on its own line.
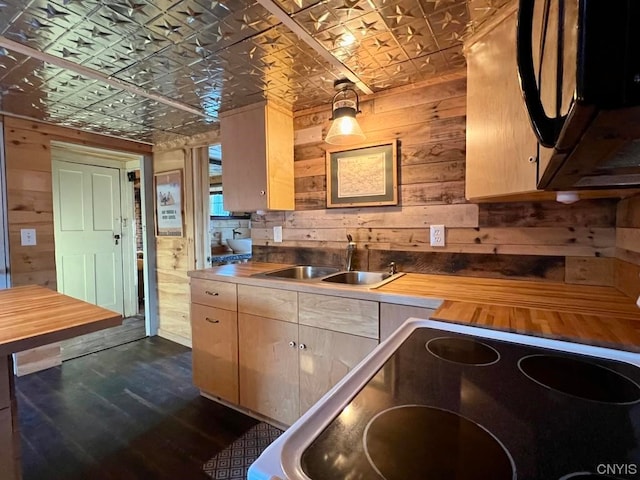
{"type": "Point", "coordinates": [303, 346]}
{"type": "Point", "coordinates": [211, 320]}
{"type": "Point", "coordinates": [213, 294]}
{"type": "Point", "coordinates": [292, 344]}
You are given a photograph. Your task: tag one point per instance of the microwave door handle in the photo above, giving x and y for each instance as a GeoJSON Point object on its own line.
{"type": "Point", "coordinates": [545, 128]}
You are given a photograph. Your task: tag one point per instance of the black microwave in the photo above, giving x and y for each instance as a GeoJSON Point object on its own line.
{"type": "Point", "coordinates": [579, 69]}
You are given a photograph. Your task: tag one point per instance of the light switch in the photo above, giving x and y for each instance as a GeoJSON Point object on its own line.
{"type": "Point", "coordinates": [277, 234]}
{"type": "Point", "coordinates": [437, 235]}
{"type": "Point", "coordinates": [27, 236]}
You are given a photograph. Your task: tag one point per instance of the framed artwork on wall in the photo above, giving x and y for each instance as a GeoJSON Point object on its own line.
{"type": "Point", "coordinates": [168, 198]}
{"type": "Point", "coordinates": [363, 176]}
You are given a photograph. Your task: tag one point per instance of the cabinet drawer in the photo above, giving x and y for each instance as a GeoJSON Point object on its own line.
{"type": "Point", "coordinates": [392, 316]}
{"type": "Point", "coordinates": [215, 351]}
{"type": "Point", "coordinates": [214, 294]}
{"type": "Point", "coordinates": [268, 302]}
{"type": "Point", "coordinates": [346, 315]}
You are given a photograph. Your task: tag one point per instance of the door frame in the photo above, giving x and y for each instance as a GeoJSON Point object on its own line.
{"type": "Point", "coordinates": [5, 272]}
{"type": "Point", "coordinates": [122, 161]}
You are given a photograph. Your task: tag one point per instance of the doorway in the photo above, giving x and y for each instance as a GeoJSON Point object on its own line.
{"type": "Point", "coordinates": [96, 247]}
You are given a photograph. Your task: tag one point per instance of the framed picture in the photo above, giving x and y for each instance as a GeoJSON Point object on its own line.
{"type": "Point", "coordinates": [168, 195]}
{"type": "Point", "coordinates": [362, 176]}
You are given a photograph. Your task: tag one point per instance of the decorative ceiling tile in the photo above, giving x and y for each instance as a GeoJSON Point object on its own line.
{"type": "Point", "coordinates": [176, 58]}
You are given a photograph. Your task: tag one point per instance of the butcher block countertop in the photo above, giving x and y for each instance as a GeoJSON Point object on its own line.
{"type": "Point", "coordinates": [581, 313]}
{"type": "Point", "coordinates": [31, 316]}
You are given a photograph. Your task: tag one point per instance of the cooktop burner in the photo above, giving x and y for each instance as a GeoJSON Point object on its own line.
{"type": "Point", "coordinates": [463, 350]}
{"type": "Point", "coordinates": [579, 378]}
{"type": "Point", "coordinates": [420, 417]}
{"type": "Point", "coordinates": [415, 441]}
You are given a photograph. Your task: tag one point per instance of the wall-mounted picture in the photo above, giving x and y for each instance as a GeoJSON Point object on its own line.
{"type": "Point", "coordinates": [362, 176]}
{"type": "Point", "coordinates": [168, 188]}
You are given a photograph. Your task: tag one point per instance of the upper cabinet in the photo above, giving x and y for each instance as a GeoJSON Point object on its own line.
{"type": "Point", "coordinates": [257, 149]}
{"type": "Point", "coordinates": [501, 145]}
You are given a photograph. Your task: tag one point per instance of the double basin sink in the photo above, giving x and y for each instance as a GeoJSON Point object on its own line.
{"type": "Point", "coordinates": [310, 273]}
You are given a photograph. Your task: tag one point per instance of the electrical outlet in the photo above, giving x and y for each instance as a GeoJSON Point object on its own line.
{"type": "Point", "coordinates": [277, 234]}
{"type": "Point", "coordinates": [437, 235]}
{"type": "Point", "coordinates": [28, 236]}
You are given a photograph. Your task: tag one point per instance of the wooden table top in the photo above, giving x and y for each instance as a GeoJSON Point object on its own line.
{"type": "Point", "coordinates": [32, 316]}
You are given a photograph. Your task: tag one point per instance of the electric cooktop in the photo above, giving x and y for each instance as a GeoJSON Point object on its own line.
{"type": "Point", "coordinates": [447, 405]}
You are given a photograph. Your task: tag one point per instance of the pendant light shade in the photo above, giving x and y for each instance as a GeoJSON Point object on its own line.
{"type": "Point", "coordinates": [345, 129]}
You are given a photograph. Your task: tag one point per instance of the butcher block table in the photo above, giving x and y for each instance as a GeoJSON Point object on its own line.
{"type": "Point", "coordinates": [32, 316]}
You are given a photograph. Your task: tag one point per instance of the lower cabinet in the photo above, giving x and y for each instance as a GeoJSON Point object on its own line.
{"type": "Point", "coordinates": [325, 358]}
{"type": "Point", "coordinates": [282, 350]}
{"type": "Point", "coordinates": [215, 351]}
{"type": "Point", "coordinates": [269, 367]}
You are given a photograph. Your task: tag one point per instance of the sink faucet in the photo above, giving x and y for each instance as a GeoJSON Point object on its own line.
{"type": "Point", "coordinates": [236, 233]}
{"type": "Point", "coordinates": [392, 268]}
{"type": "Point", "coordinates": [351, 247]}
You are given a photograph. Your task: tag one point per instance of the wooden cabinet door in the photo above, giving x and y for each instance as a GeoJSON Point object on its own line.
{"type": "Point", "coordinates": [257, 148]}
{"type": "Point", "coordinates": [215, 351]}
{"type": "Point", "coordinates": [244, 176]}
{"type": "Point", "coordinates": [500, 139]}
{"type": "Point", "coordinates": [325, 358]}
{"type": "Point", "coordinates": [392, 316]}
{"type": "Point", "coordinates": [269, 367]}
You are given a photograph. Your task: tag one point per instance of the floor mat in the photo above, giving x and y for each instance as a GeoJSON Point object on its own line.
{"type": "Point", "coordinates": [233, 462]}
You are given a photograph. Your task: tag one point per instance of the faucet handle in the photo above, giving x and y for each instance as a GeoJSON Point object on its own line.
{"type": "Point", "coordinates": [349, 238]}
{"type": "Point", "coordinates": [392, 268]}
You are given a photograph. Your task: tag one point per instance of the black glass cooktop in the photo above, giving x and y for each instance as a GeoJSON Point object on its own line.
{"type": "Point", "coordinates": [457, 407]}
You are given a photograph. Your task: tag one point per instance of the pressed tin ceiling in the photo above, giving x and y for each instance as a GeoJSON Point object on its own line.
{"type": "Point", "coordinates": [155, 70]}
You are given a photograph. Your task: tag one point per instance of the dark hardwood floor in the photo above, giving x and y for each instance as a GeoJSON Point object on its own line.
{"type": "Point", "coordinates": [129, 412]}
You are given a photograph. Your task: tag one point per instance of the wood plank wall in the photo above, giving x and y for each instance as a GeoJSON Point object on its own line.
{"type": "Point", "coordinates": [176, 256]}
{"type": "Point", "coordinates": [545, 240]}
{"type": "Point", "coordinates": [30, 205]}
{"type": "Point", "coordinates": [627, 268]}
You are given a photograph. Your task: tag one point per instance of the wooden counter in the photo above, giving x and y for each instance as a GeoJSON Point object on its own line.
{"type": "Point", "coordinates": [32, 316]}
{"type": "Point", "coordinates": [580, 313]}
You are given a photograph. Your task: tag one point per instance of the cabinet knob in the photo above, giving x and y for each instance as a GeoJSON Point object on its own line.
{"type": "Point", "coordinates": [213, 294]}
{"type": "Point", "coordinates": [533, 159]}
{"type": "Point", "coordinates": [262, 192]}
{"type": "Point", "coordinates": [303, 346]}
{"type": "Point", "coordinates": [292, 344]}
{"type": "Point", "coordinates": [211, 320]}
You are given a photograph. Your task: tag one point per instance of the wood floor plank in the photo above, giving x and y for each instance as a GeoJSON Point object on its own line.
{"type": "Point", "coordinates": [127, 413]}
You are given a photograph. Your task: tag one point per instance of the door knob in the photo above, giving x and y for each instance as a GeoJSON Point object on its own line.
{"type": "Point", "coordinates": [117, 238]}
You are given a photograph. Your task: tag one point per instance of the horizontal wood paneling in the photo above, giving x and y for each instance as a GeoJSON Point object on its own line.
{"type": "Point", "coordinates": [519, 240]}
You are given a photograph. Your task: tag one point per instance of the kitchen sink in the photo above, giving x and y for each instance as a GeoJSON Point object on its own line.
{"type": "Point", "coordinates": [301, 272]}
{"type": "Point", "coordinates": [362, 278]}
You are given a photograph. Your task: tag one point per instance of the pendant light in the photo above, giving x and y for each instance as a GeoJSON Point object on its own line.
{"type": "Point", "coordinates": [344, 106]}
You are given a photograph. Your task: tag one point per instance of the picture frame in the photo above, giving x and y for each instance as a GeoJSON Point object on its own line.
{"type": "Point", "coordinates": [168, 200]}
{"type": "Point", "coordinates": [362, 176]}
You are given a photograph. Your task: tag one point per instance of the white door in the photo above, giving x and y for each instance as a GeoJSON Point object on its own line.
{"type": "Point", "coordinates": [88, 231]}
